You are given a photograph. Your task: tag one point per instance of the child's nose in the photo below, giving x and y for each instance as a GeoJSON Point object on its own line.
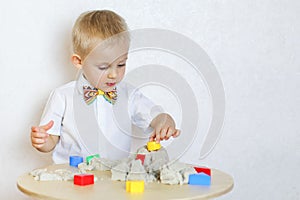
{"type": "Point", "coordinates": [112, 73]}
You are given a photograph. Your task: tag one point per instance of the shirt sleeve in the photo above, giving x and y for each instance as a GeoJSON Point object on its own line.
{"type": "Point", "coordinates": [54, 110]}
{"type": "Point", "coordinates": [142, 110]}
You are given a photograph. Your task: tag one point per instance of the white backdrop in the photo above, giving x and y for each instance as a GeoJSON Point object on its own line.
{"type": "Point", "coordinates": [254, 44]}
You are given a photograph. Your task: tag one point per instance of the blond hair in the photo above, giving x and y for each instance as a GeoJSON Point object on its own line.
{"type": "Point", "coordinates": [94, 26]}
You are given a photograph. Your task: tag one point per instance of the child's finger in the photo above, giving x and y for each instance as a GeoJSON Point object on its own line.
{"type": "Point", "coordinates": [151, 139]}
{"type": "Point", "coordinates": [34, 129]}
{"type": "Point", "coordinates": [37, 145]}
{"type": "Point", "coordinates": [38, 141]}
{"type": "Point", "coordinates": [157, 136]}
{"type": "Point", "coordinates": [169, 133]}
{"type": "Point", "coordinates": [163, 133]}
{"type": "Point", "coordinates": [41, 135]}
{"type": "Point", "coordinates": [38, 133]}
{"type": "Point", "coordinates": [152, 136]}
{"type": "Point", "coordinates": [47, 126]}
{"type": "Point", "coordinates": [176, 133]}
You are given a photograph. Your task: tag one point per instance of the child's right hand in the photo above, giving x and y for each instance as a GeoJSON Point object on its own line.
{"type": "Point", "coordinates": [39, 135]}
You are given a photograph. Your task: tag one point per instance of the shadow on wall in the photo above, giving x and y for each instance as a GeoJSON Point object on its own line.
{"type": "Point", "coordinates": [28, 155]}
{"type": "Point", "coordinates": [63, 52]}
{"type": "Point", "coordinates": [60, 72]}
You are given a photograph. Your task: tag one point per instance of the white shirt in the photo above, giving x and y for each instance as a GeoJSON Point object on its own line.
{"type": "Point", "coordinates": [100, 127]}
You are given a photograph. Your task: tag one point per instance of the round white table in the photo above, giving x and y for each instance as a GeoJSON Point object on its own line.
{"type": "Point", "coordinates": [105, 188]}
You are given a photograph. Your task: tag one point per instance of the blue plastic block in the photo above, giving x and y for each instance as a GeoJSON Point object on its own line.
{"type": "Point", "coordinates": [199, 179]}
{"type": "Point", "coordinates": [75, 160]}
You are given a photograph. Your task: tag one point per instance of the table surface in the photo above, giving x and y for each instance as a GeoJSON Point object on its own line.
{"type": "Point", "coordinates": [105, 188]}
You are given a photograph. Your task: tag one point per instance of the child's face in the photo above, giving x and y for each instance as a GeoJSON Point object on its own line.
{"type": "Point", "coordinates": [105, 67]}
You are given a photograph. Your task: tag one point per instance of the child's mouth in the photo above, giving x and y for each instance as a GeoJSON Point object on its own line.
{"type": "Point", "coordinates": [110, 84]}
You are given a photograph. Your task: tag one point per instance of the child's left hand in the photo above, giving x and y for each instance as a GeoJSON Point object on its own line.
{"type": "Point", "coordinates": [164, 128]}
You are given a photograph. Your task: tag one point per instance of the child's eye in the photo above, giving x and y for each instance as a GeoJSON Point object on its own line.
{"type": "Point", "coordinates": [121, 64]}
{"type": "Point", "coordinates": [102, 67]}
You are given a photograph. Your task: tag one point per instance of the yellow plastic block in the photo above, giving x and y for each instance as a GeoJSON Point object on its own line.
{"type": "Point", "coordinates": [152, 146]}
{"type": "Point", "coordinates": [135, 186]}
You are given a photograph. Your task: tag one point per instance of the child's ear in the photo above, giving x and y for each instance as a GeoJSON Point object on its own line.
{"type": "Point", "coordinates": [76, 60]}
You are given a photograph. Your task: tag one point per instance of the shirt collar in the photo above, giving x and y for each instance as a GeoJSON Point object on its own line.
{"type": "Point", "coordinates": [81, 81]}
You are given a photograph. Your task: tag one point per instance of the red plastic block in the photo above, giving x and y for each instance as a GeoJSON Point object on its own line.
{"type": "Point", "coordinates": [140, 157]}
{"type": "Point", "coordinates": [83, 179]}
{"type": "Point", "coordinates": [203, 169]}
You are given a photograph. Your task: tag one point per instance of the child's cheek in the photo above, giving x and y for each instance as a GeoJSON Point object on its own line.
{"type": "Point", "coordinates": [122, 73]}
{"type": "Point", "coordinates": [99, 77]}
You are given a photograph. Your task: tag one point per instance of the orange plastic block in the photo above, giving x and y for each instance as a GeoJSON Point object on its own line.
{"type": "Point", "coordinates": [135, 186]}
{"type": "Point", "coordinates": [153, 146]}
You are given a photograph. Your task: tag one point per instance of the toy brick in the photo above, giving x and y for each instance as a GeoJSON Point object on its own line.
{"type": "Point", "coordinates": [83, 179]}
{"type": "Point", "coordinates": [204, 170]}
{"type": "Point", "coordinates": [135, 186]}
{"type": "Point", "coordinates": [75, 160]}
{"type": "Point", "coordinates": [89, 158]}
{"type": "Point", "coordinates": [128, 186]}
{"type": "Point", "coordinates": [153, 146]}
{"type": "Point", "coordinates": [199, 179]}
{"type": "Point", "coordinates": [140, 157]}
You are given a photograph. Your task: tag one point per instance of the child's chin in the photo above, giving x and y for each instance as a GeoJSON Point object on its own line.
{"type": "Point", "coordinates": [108, 89]}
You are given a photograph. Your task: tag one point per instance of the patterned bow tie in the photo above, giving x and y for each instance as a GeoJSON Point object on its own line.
{"type": "Point", "coordinates": [90, 94]}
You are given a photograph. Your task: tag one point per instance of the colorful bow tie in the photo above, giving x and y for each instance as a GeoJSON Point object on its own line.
{"type": "Point", "coordinates": [90, 94]}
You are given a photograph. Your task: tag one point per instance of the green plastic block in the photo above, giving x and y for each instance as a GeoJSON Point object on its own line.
{"type": "Point", "coordinates": [89, 158]}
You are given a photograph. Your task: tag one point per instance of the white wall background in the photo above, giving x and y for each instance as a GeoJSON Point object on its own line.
{"type": "Point", "coordinates": [254, 44]}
